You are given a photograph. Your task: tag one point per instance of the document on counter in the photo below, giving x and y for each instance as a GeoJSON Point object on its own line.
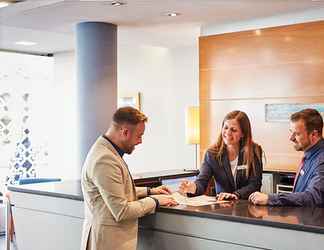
{"type": "Point", "coordinates": [201, 200]}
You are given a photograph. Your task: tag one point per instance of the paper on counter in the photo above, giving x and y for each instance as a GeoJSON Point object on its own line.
{"type": "Point", "coordinates": [201, 200]}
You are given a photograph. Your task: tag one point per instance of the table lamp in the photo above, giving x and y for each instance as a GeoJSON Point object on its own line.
{"type": "Point", "coordinates": [193, 129]}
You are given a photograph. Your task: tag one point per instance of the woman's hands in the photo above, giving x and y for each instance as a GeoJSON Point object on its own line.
{"type": "Point", "coordinates": [187, 187]}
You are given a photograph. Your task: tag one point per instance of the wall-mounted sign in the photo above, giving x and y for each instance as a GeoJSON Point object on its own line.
{"type": "Point", "coordinates": [281, 112]}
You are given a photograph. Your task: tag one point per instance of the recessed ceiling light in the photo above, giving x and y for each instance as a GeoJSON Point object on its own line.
{"type": "Point", "coordinates": [117, 3]}
{"type": "Point", "coordinates": [172, 14]}
{"type": "Point", "coordinates": [257, 32]}
{"type": "Point", "coordinates": [25, 43]}
{"type": "Point", "coordinates": [3, 4]}
{"type": "Point", "coordinates": [287, 38]}
{"type": "Point", "coordinates": [114, 3]}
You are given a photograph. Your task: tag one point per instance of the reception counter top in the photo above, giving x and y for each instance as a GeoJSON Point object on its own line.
{"type": "Point", "coordinates": [65, 189]}
{"type": "Point", "coordinates": [72, 189]}
{"type": "Point", "coordinates": [296, 218]}
{"type": "Point", "coordinates": [232, 225]}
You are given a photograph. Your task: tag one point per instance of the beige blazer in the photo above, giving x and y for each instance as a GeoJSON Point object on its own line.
{"type": "Point", "coordinates": [112, 202]}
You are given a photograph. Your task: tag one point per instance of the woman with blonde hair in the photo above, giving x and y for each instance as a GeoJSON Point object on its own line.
{"type": "Point", "coordinates": [235, 162]}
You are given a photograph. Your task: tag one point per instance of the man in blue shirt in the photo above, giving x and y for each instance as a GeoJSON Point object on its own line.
{"type": "Point", "coordinates": [306, 134]}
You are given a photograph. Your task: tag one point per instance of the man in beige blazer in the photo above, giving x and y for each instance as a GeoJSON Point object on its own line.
{"type": "Point", "coordinates": [112, 202]}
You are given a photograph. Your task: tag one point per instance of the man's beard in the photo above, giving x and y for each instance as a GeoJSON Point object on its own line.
{"type": "Point", "coordinates": [299, 147]}
{"type": "Point", "coordinates": [129, 149]}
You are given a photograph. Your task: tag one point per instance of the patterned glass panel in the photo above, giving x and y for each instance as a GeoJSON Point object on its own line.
{"type": "Point", "coordinates": [24, 85]}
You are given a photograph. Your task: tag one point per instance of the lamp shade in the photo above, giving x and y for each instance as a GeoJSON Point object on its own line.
{"type": "Point", "coordinates": [192, 125]}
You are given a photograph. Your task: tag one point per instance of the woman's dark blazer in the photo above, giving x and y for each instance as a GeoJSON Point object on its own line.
{"type": "Point", "coordinates": [224, 177]}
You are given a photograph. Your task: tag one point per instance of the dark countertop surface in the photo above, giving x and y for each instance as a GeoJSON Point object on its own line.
{"type": "Point", "coordinates": [63, 189]}
{"type": "Point", "coordinates": [309, 219]}
{"type": "Point", "coordinates": [72, 189]}
{"type": "Point", "coordinates": [297, 218]}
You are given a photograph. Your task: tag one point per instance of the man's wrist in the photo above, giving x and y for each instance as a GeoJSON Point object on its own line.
{"type": "Point", "coordinates": [273, 200]}
{"type": "Point", "coordinates": [157, 203]}
{"type": "Point", "coordinates": [148, 191]}
{"type": "Point", "coordinates": [237, 195]}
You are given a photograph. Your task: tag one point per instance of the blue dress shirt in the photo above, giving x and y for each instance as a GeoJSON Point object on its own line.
{"type": "Point", "coordinates": [118, 149]}
{"type": "Point", "coordinates": [309, 188]}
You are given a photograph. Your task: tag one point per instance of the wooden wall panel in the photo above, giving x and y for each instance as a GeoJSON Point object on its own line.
{"type": "Point", "coordinates": [291, 80]}
{"type": "Point", "coordinates": [246, 70]}
{"type": "Point", "coordinates": [288, 59]}
{"type": "Point", "coordinates": [292, 43]}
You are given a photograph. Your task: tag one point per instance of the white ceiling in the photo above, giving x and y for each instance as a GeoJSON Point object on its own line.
{"type": "Point", "coordinates": [51, 23]}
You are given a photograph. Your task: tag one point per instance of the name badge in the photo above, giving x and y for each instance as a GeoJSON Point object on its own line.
{"type": "Point", "coordinates": [302, 172]}
{"type": "Point", "coordinates": [242, 167]}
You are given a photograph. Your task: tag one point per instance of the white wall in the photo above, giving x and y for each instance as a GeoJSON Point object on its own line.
{"type": "Point", "coordinates": [168, 82]}
{"type": "Point", "coordinates": [64, 132]}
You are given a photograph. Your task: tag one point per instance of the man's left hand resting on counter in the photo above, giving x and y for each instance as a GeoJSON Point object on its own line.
{"type": "Point", "coordinates": [159, 190]}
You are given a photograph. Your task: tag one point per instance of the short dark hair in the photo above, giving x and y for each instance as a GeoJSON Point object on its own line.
{"type": "Point", "coordinates": [312, 119]}
{"type": "Point", "coordinates": [128, 115]}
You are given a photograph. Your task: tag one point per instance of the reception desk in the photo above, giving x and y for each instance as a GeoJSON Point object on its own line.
{"type": "Point", "coordinates": [234, 225]}
{"type": "Point", "coordinates": [50, 215]}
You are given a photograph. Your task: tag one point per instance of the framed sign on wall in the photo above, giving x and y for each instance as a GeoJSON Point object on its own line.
{"type": "Point", "coordinates": [281, 112]}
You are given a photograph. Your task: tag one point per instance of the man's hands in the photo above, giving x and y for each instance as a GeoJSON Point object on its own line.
{"type": "Point", "coordinates": [162, 194]}
{"type": "Point", "coordinates": [160, 190]}
{"type": "Point", "coordinates": [258, 211]}
{"type": "Point", "coordinates": [226, 196]}
{"type": "Point", "coordinates": [165, 200]}
{"type": "Point", "coordinates": [258, 198]}
{"type": "Point", "coordinates": [187, 187]}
